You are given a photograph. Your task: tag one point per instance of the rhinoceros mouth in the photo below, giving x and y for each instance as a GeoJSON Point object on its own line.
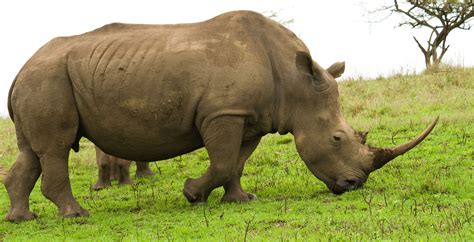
{"type": "Point", "coordinates": [340, 189]}
{"type": "Point", "coordinates": [335, 189]}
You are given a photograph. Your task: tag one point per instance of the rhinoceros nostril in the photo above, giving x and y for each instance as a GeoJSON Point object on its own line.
{"type": "Point", "coordinates": [351, 184]}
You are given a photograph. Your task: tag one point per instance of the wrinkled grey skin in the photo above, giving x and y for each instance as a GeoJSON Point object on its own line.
{"type": "Point", "coordinates": [114, 168]}
{"type": "Point", "coordinates": [152, 92]}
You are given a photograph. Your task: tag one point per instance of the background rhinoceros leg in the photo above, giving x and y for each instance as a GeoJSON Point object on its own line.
{"type": "Point", "coordinates": [143, 169]}
{"type": "Point", "coordinates": [113, 166]}
{"type": "Point", "coordinates": [222, 138]}
{"type": "Point", "coordinates": [233, 189]}
{"type": "Point", "coordinates": [105, 167]}
{"type": "Point", "coordinates": [124, 171]}
{"type": "Point", "coordinates": [20, 180]}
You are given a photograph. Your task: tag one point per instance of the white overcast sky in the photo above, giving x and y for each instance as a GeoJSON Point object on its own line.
{"type": "Point", "coordinates": [336, 30]}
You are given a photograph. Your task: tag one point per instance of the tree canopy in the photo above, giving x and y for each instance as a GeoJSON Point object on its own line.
{"type": "Point", "coordinates": [439, 16]}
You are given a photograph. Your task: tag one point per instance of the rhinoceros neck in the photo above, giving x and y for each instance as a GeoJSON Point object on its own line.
{"type": "Point", "coordinates": [276, 96]}
{"type": "Point", "coordinates": [281, 58]}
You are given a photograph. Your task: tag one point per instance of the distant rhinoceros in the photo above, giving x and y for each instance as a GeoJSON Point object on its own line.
{"type": "Point", "coordinates": [152, 92]}
{"type": "Point", "coordinates": [114, 168]}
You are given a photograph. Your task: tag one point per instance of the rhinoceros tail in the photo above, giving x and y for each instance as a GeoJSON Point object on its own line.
{"type": "Point", "coordinates": [10, 109]}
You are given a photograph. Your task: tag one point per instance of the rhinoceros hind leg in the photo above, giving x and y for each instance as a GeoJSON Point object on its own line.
{"type": "Point", "coordinates": [222, 138]}
{"type": "Point", "coordinates": [143, 169]}
{"type": "Point", "coordinates": [55, 184]}
{"type": "Point", "coordinates": [233, 189]}
{"type": "Point", "coordinates": [44, 108]}
{"type": "Point", "coordinates": [52, 137]}
{"type": "Point", "coordinates": [19, 182]}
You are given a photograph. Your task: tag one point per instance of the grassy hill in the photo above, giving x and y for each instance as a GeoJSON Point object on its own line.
{"type": "Point", "coordinates": [424, 195]}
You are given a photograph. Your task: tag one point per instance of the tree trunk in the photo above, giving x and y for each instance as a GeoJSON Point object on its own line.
{"type": "Point", "coordinates": [427, 60]}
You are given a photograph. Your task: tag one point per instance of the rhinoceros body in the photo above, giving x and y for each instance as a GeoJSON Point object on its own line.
{"type": "Point", "coordinates": [151, 92]}
{"type": "Point", "coordinates": [151, 88]}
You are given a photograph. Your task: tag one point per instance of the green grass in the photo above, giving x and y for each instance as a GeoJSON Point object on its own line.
{"type": "Point", "coordinates": [427, 194]}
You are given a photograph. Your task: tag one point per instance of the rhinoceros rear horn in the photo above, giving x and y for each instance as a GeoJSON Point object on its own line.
{"type": "Point", "coordinates": [383, 155]}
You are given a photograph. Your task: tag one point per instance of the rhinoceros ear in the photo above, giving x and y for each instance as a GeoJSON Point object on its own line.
{"type": "Point", "coordinates": [304, 62]}
{"type": "Point", "coordinates": [337, 69]}
{"type": "Point", "coordinates": [361, 136]}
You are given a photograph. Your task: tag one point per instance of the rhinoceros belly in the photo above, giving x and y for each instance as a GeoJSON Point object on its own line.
{"type": "Point", "coordinates": [136, 102]}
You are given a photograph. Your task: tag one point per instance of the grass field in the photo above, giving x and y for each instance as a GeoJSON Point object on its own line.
{"type": "Point", "coordinates": [426, 194]}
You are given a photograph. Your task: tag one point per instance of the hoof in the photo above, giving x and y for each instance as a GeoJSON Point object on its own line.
{"type": "Point", "coordinates": [101, 185]}
{"type": "Point", "coordinates": [126, 182]}
{"type": "Point", "coordinates": [74, 213]}
{"type": "Point", "coordinates": [190, 197]}
{"type": "Point", "coordinates": [240, 197]}
{"type": "Point", "coordinates": [252, 196]}
{"type": "Point", "coordinates": [18, 217]}
{"type": "Point", "coordinates": [145, 173]}
{"type": "Point", "coordinates": [193, 196]}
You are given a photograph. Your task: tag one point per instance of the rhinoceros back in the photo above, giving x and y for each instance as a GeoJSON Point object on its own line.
{"type": "Point", "coordinates": [142, 88]}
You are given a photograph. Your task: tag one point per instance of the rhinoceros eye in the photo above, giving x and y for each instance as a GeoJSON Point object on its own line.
{"type": "Point", "coordinates": [337, 137]}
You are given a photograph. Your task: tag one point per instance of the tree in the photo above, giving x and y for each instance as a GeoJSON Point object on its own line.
{"type": "Point", "coordinates": [440, 17]}
{"type": "Point", "coordinates": [273, 14]}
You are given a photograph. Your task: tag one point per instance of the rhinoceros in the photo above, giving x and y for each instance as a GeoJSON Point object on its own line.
{"type": "Point", "coordinates": [114, 168]}
{"type": "Point", "coordinates": [152, 92]}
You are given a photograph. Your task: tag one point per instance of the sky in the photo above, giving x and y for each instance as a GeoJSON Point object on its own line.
{"type": "Point", "coordinates": [337, 30]}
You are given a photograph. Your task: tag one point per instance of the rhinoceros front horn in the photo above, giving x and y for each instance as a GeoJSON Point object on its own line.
{"type": "Point", "coordinates": [383, 155]}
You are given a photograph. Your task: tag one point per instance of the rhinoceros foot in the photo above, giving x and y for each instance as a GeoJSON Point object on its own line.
{"type": "Point", "coordinates": [238, 196]}
{"type": "Point", "coordinates": [101, 185]}
{"type": "Point", "coordinates": [144, 173]}
{"type": "Point", "coordinates": [14, 216]}
{"type": "Point", "coordinates": [143, 170]}
{"type": "Point", "coordinates": [192, 192]}
{"type": "Point", "coordinates": [126, 181]}
{"type": "Point", "coordinates": [73, 211]}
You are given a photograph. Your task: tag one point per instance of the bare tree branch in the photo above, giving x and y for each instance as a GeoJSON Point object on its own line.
{"type": "Point", "coordinates": [417, 21]}
{"type": "Point", "coordinates": [419, 45]}
{"type": "Point", "coordinates": [443, 52]}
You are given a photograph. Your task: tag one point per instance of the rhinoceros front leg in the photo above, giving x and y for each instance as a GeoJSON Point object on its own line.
{"type": "Point", "coordinates": [124, 171]}
{"type": "Point", "coordinates": [233, 189]}
{"type": "Point", "coordinates": [222, 138]}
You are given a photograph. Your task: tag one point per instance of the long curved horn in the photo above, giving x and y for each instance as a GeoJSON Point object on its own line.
{"type": "Point", "coordinates": [383, 156]}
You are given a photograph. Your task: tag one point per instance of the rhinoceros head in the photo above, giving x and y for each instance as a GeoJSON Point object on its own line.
{"type": "Point", "coordinates": [331, 149]}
